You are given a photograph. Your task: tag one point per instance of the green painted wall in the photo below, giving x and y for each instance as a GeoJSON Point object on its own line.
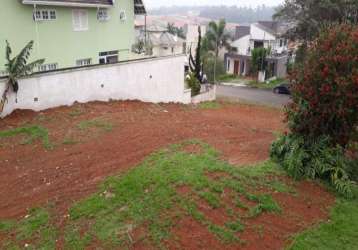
{"type": "Point", "coordinates": [57, 42]}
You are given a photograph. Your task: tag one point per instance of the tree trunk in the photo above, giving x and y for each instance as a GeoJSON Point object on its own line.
{"type": "Point", "coordinates": [4, 97]}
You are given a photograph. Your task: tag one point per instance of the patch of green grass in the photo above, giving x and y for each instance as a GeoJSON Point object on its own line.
{"type": "Point", "coordinates": [235, 226]}
{"type": "Point", "coordinates": [266, 85]}
{"type": "Point", "coordinates": [6, 226]}
{"type": "Point", "coordinates": [147, 195]}
{"type": "Point", "coordinates": [281, 187]}
{"type": "Point", "coordinates": [209, 105]}
{"type": "Point", "coordinates": [265, 204]}
{"type": "Point", "coordinates": [69, 141]}
{"type": "Point", "coordinates": [76, 112]}
{"type": "Point", "coordinates": [341, 232]}
{"type": "Point", "coordinates": [35, 230]}
{"type": "Point", "coordinates": [95, 123]}
{"type": "Point", "coordinates": [211, 199]}
{"type": "Point", "coordinates": [33, 133]}
{"type": "Point", "coordinates": [227, 236]}
{"type": "Point", "coordinates": [74, 240]}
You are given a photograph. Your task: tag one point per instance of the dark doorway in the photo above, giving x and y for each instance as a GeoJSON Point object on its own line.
{"type": "Point", "coordinates": [236, 67]}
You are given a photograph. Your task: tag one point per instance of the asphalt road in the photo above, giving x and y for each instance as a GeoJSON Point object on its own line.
{"type": "Point", "coordinates": [252, 95]}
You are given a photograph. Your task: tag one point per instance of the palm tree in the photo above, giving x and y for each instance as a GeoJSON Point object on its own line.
{"type": "Point", "coordinates": [17, 67]}
{"type": "Point", "coordinates": [216, 39]}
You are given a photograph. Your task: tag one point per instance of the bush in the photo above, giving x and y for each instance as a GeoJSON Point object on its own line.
{"type": "Point", "coordinates": [315, 159]}
{"type": "Point", "coordinates": [324, 113]}
{"type": "Point", "coordinates": [209, 68]}
{"type": "Point", "coordinates": [193, 84]}
{"type": "Point", "coordinates": [325, 93]}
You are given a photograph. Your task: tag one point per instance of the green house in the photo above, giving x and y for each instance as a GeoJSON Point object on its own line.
{"type": "Point", "coordinates": [70, 33]}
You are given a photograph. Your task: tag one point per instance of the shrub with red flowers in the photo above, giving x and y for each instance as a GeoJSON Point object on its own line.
{"type": "Point", "coordinates": [325, 90]}
{"type": "Point", "coordinates": [323, 116]}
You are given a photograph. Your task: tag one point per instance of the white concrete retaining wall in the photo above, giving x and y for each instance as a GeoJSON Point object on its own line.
{"type": "Point", "coordinates": [207, 96]}
{"type": "Point", "coordinates": [150, 80]}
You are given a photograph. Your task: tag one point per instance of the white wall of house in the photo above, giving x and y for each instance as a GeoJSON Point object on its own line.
{"type": "Point", "coordinates": [242, 45]}
{"type": "Point", "coordinates": [151, 80]}
{"type": "Point", "coordinates": [230, 65]}
{"type": "Point", "coordinates": [259, 34]}
{"type": "Point", "coordinates": [192, 37]}
{"type": "Point", "coordinates": [168, 50]}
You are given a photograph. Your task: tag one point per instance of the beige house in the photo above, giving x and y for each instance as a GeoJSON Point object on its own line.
{"type": "Point", "coordinates": [160, 42]}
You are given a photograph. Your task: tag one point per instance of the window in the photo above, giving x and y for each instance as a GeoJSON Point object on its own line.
{"type": "Point", "coordinates": [84, 62]}
{"type": "Point", "coordinates": [48, 67]}
{"type": "Point", "coordinates": [102, 15]}
{"type": "Point", "coordinates": [80, 20]}
{"type": "Point", "coordinates": [3, 73]}
{"type": "Point", "coordinates": [108, 57]}
{"type": "Point", "coordinates": [281, 42]}
{"type": "Point", "coordinates": [44, 15]}
{"type": "Point", "coordinates": [122, 15]}
{"type": "Point", "coordinates": [228, 64]}
{"type": "Point", "coordinates": [52, 14]}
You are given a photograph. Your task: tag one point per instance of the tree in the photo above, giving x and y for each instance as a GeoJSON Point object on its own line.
{"type": "Point", "coordinates": [309, 16]}
{"type": "Point", "coordinates": [217, 38]}
{"type": "Point", "coordinates": [17, 67]}
{"type": "Point", "coordinates": [196, 64]}
{"type": "Point", "coordinates": [323, 116]}
{"type": "Point", "coordinates": [325, 93]}
{"type": "Point", "coordinates": [171, 28]}
{"type": "Point", "coordinates": [175, 30]}
{"type": "Point", "coordinates": [258, 59]}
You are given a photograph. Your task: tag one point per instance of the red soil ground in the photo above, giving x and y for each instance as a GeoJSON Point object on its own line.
{"type": "Point", "coordinates": [31, 176]}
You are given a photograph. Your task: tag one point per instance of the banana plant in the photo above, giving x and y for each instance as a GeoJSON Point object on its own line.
{"type": "Point", "coordinates": [17, 67]}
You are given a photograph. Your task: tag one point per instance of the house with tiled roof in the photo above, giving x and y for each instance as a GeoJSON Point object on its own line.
{"type": "Point", "coordinates": [70, 33]}
{"type": "Point", "coordinates": [267, 34]}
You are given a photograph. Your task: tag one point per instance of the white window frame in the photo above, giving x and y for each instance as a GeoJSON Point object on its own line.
{"type": "Point", "coordinates": [107, 54]}
{"type": "Point", "coordinates": [82, 16]}
{"type": "Point", "coordinates": [47, 67]}
{"type": "Point", "coordinates": [102, 14]}
{"type": "Point", "coordinates": [84, 62]}
{"type": "Point", "coordinates": [3, 73]}
{"type": "Point", "coordinates": [122, 15]}
{"type": "Point", "coordinates": [40, 14]}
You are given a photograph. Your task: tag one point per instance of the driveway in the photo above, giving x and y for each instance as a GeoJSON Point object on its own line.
{"type": "Point", "coordinates": [252, 95]}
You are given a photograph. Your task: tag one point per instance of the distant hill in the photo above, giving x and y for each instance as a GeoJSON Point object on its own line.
{"type": "Point", "coordinates": [230, 13]}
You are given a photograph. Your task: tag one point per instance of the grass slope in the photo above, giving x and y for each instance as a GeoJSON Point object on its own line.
{"type": "Point", "coordinates": [148, 197]}
{"type": "Point", "coordinates": [341, 232]}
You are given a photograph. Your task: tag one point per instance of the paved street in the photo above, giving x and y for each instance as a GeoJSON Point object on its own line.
{"type": "Point", "coordinates": [252, 95]}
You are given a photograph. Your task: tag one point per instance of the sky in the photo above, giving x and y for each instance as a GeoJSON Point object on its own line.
{"type": "Point", "coordinates": [252, 3]}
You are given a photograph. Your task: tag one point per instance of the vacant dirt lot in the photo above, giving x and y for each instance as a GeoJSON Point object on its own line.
{"type": "Point", "coordinates": [92, 141]}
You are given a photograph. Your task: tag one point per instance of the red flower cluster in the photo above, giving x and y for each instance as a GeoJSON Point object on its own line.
{"type": "Point", "coordinates": [325, 93]}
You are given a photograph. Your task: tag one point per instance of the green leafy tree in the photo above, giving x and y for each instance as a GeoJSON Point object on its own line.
{"type": "Point", "coordinates": [309, 17]}
{"type": "Point", "coordinates": [258, 59]}
{"type": "Point", "coordinates": [175, 30]}
{"type": "Point", "coordinates": [17, 67]}
{"type": "Point", "coordinates": [196, 64]}
{"type": "Point", "coordinates": [216, 38]}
